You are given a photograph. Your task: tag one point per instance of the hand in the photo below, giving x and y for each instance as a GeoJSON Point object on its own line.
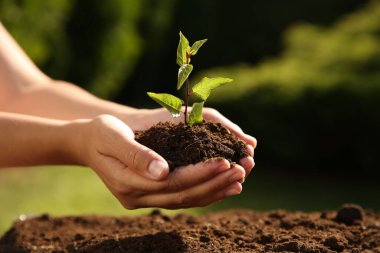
{"type": "Point", "coordinates": [144, 119]}
{"type": "Point", "coordinates": [138, 177]}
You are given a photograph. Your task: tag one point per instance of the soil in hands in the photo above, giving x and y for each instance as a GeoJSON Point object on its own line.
{"type": "Point", "coordinates": [349, 229]}
{"type": "Point", "coordinates": [181, 144]}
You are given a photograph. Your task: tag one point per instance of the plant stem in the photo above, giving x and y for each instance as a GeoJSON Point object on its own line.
{"type": "Point", "coordinates": [187, 89]}
{"type": "Point", "coordinates": [186, 99]}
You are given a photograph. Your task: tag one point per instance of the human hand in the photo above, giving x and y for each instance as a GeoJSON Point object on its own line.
{"type": "Point", "coordinates": [144, 119]}
{"type": "Point", "coordinates": [138, 177]}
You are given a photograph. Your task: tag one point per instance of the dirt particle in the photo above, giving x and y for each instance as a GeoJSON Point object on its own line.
{"type": "Point", "coordinates": [78, 237]}
{"type": "Point", "coordinates": [204, 238]}
{"type": "Point", "coordinates": [286, 224]}
{"type": "Point", "coordinates": [155, 212]}
{"type": "Point", "coordinates": [349, 213]}
{"type": "Point", "coordinates": [191, 220]}
{"type": "Point", "coordinates": [220, 233]}
{"type": "Point", "coordinates": [287, 246]}
{"type": "Point", "coordinates": [266, 238]}
{"type": "Point", "coordinates": [323, 215]}
{"type": "Point", "coordinates": [277, 214]}
{"type": "Point", "coordinates": [166, 218]}
{"type": "Point", "coordinates": [333, 243]}
{"type": "Point", "coordinates": [44, 217]}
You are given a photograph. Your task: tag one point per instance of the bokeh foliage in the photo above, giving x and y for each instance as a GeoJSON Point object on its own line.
{"type": "Point", "coordinates": [317, 105]}
{"type": "Point", "coordinates": [92, 43]}
{"type": "Point", "coordinates": [347, 53]}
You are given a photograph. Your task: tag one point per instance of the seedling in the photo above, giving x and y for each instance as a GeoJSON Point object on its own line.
{"type": "Point", "coordinates": [202, 89]}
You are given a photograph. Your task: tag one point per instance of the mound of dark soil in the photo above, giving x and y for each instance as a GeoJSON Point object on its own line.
{"type": "Point", "coordinates": [181, 145]}
{"type": "Point", "coordinates": [228, 231]}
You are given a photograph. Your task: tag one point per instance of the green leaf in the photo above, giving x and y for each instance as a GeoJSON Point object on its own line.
{"type": "Point", "coordinates": [183, 73]}
{"type": "Point", "coordinates": [204, 87]}
{"type": "Point", "coordinates": [196, 113]}
{"type": "Point", "coordinates": [195, 47]}
{"type": "Point", "coordinates": [183, 46]}
{"type": "Point", "coordinates": [170, 102]}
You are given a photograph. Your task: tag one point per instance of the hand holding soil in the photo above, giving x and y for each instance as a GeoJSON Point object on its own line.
{"type": "Point", "coordinates": [138, 177]}
{"type": "Point", "coordinates": [145, 119]}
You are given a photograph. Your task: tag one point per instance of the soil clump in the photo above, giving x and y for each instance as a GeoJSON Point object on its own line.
{"type": "Point", "coordinates": [182, 145]}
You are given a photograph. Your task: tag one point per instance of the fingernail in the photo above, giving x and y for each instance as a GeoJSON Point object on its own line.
{"type": "Point", "coordinates": [156, 168]}
{"type": "Point", "coordinates": [231, 192]}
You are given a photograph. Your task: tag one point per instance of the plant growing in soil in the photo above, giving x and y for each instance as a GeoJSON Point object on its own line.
{"type": "Point", "coordinates": [193, 140]}
{"type": "Point", "coordinates": [202, 89]}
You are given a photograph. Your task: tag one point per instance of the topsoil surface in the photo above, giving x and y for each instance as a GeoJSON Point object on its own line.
{"type": "Point", "coordinates": [181, 145]}
{"type": "Point", "coordinates": [348, 230]}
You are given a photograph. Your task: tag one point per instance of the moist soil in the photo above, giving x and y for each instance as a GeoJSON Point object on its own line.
{"type": "Point", "coordinates": [350, 229]}
{"type": "Point", "coordinates": [181, 144]}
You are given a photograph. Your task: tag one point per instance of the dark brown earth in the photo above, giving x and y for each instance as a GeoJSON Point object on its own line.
{"type": "Point", "coordinates": [349, 230]}
{"type": "Point", "coordinates": [181, 145]}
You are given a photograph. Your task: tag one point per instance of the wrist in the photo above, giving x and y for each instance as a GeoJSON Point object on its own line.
{"type": "Point", "coordinates": [73, 139]}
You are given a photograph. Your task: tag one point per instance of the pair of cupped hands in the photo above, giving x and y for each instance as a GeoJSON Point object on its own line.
{"type": "Point", "coordinates": [139, 177]}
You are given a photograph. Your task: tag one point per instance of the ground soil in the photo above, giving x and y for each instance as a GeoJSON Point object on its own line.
{"type": "Point", "coordinates": [181, 145]}
{"type": "Point", "coordinates": [348, 230]}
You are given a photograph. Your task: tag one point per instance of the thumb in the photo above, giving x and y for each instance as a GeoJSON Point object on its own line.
{"type": "Point", "coordinates": [145, 161]}
{"type": "Point", "coordinates": [135, 156]}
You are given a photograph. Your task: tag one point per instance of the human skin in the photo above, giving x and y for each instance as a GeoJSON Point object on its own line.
{"type": "Point", "coordinates": [46, 121]}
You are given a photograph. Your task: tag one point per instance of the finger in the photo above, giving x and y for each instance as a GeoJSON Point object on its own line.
{"type": "Point", "coordinates": [111, 171]}
{"type": "Point", "coordinates": [197, 195]}
{"type": "Point", "coordinates": [239, 167]}
{"type": "Point", "coordinates": [180, 179]}
{"type": "Point", "coordinates": [250, 140]}
{"type": "Point", "coordinates": [232, 190]}
{"type": "Point", "coordinates": [143, 160]}
{"type": "Point", "coordinates": [248, 163]}
{"type": "Point", "coordinates": [119, 177]}
{"type": "Point", "coordinates": [250, 150]}
{"type": "Point", "coordinates": [190, 175]}
{"type": "Point", "coordinates": [119, 142]}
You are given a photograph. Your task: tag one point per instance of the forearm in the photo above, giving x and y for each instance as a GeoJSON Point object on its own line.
{"type": "Point", "coordinates": [27, 90]}
{"type": "Point", "coordinates": [17, 71]}
{"type": "Point", "coordinates": [28, 141]}
{"type": "Point", "coordinates": [62, 100]}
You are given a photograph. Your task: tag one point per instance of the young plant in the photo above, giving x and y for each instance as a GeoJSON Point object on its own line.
{"type": "Point", "coordinates": [202, 89]}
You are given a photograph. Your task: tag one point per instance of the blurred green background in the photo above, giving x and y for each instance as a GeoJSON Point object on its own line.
{"type": "Point", "coordinates": [307, 86]}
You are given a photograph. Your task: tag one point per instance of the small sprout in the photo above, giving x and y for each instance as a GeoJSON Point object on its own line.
{"type": "Point", "coordinates": [202, 89]}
